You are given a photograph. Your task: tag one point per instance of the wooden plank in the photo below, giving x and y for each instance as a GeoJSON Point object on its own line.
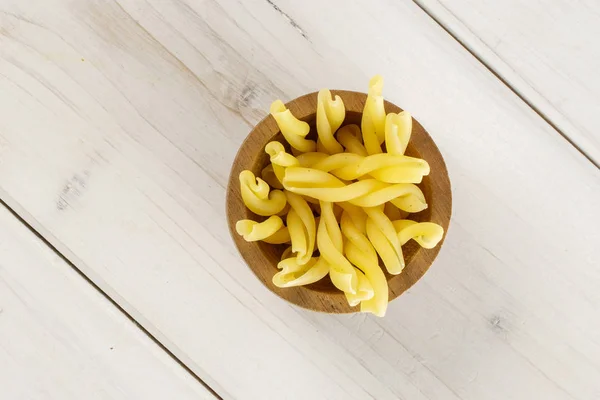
{"type": "Point", "coordinates": [546, 50]}
{"type": "Point", "coordinates": [127, 115]}
{"type": "Point", "coordinates": [61, 339]}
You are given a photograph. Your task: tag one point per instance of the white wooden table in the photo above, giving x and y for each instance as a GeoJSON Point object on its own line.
{"type": "Point", "coordinates": [119, 120]}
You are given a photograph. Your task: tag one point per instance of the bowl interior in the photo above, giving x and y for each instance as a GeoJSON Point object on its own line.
{"type": "Point", "coordinates": [262, 258]}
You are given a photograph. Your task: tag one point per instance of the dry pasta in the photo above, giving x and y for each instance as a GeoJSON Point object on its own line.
{"type": "Point", "coordinates": [384, 167]}
{"type": "Point", "coordinates": [383, 236]}
{"type": "Point", "coordinates": [253, 231]}
{"type": "Point", "coordinates": [293, 130]}
{"type": "Point", "coordinates": [350, 137]}
{"type": "Point", "coordinates": [298, 237]}
{"type": "Point", "coordinates": [398, 128]}
{"type": "Point", "coordinates": [364, 193]}
{"type": "Point", "coordinates": [344, 196]}
{"type": "Point", "coordinates": [364, 290]}
{"type": "Point", "coordinates": [330, 242]}
{"type": "Point", "coordinates": [305, 215]}
{"type": "Point", "coordinates": [280, 237]}
{"type": "Point", "coordinates": [361, 253]}
{"type": "Point", "coordinates": [294, 274]}
{"type": "Point", "coordinates": [258, 198]}
{"type": "Point", "coordinates": [427, 234]}
{"type": "Point", "coordinates": [373, 118]}
{"type": "Point", "coordinates": [330, 115]}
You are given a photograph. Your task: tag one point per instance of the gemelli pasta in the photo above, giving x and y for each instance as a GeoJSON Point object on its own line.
{"type": "Point", "coordinates": [337, 201]}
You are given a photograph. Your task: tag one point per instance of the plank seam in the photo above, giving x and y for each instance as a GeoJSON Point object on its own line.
{"type": "Point", "coordinates": [523, 98]}
{"type": "Point", "coordinates": [113, 302]}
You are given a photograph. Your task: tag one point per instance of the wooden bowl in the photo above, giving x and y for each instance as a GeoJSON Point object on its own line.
{"type": "Point", "coordinates": [262, 258]}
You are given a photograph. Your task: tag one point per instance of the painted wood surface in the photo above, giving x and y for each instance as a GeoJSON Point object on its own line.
{"type": "Point", "coordinates": [61, 339]}
{"type": "Point", "coordinates": [547, 50]}
{"type": "Point", "coordinates": [119, 123]}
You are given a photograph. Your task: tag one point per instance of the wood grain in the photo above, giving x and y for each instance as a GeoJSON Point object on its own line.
{"type": "Point", "coordinates": [546, 50]}
{"type": "Point", "coordinates": [121, 161]}
{"type": "Point", "coordinates": [61, 339]}
{"type": "Point", "coordinates": [262, 258]}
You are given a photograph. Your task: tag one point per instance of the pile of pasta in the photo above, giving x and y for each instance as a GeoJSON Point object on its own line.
{"type": "Point", "coordinates": [342, 196]}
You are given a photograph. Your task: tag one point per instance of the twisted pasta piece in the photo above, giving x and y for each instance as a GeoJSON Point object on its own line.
{"type": "Point", "coordinates": [330, 115]}
{"type": "Point", "coordinates": [373, 118]}
{"type": "Point", "coordinates": [412, 203]}
{"type": "Point", "coordinates": [383, 235]}
{"type": "Point", "coordinates": [280, 237]}
{"type": "Point", "coordinates": [279, 156]}
{"type": "Point", "coordinates": [280, 159]}
{"type": "Point", "coordinates": [427, 234]}
{"type": "Point", "coordinates": [364, 290]}
{"type": "Point", "coordinates": [358, 216]}
{"type": "Point", "coordinates": [384, 167]}
{"type": "Point", "coordinates": [305, 214]}
{"type": "Point", "coordinates": [256, 196]}
{"type": "Point", "coordinates": [394, 168]}
{"type": "Point", "coordinates": [298, 236]}
{"type": "Point", "coordinates": [398, 128]}
{"type": "Point", "coordinates": [307, 160]}
{"type": "Point", "coordinates": [361, 253]}
{"type": "Point", "coordinates": [292, 128]}
{"type": "Point", "coordinates": [253, 231]}
{"type": "Point", "coordinates": [294, 274]}
{"type": "Point", "coordinates": [330, 242]}
{"type": "Point", "coordinates": [365, 193]}
{"type": "Point", "coordinates": [268, 175]}
{"type": "Point", "coordinates": [407, 195]}
{"type": "Point", "coordinates": [350, 137]}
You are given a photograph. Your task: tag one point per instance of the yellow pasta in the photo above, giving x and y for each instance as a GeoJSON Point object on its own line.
{"type": "Point", "coordinates": [298, 236]}
{"type": "Point", "coordinates": [340, 161]}
{"type": "Point", "coordinates": [350, 137]}
{"type": "Point", "coordinates": [358, 216]}
{"type": "Point", "coordinates": [293, 130]}
{"type": "Point", "coordinates": [279, 156]}
{"type": "Point", "coordinates": [364, 290]}
{"type": "Point", "coordinates": [400, 174]}
{"type": "Point", "coordinates": [378, 162]}
{"type": "Point", "coordinates": [253, 231]}
{"type": "Point", "coordinates": [384, 167]}
{"type": "Point", "coordinates": [280, 237]}
{"type": "Point", "coordinates": [345, 198]}
{"type": "Point", "coordinates": [427, 234]}
{"type": "Point", "coordinates": [361, 253]}
{"type": "Point", "coordinates": [330, 242]}
{"type": "Point", "coordinates": [305, 214]}
{"type": "Point", "coordinates": [365, 193]}
{"type": "Point", "coordinates": [398, 128]}
{"type": "Point", "coordinates": [341, 193]}
{"type": "Point", "coordinates": [256, 195]}
{"type": "Point", "coordinates": [412, 202]}
{"type": "Point", "coordinates": [307, 160]}
{"type": "Point", "coordinates": [268, 175]}
{"type": "Point", "coordinates": [373, 118]}
{"type": "Point", "coordinates": [294, 274]}
{"type": "Point", "coordinates": [280, 159]}
{"type": "Point", "coordinates": [330, 115]}
{"type": "Point", "coordinates": [395, 193]}
{"type": "Point", "coordinates": [383, 236]}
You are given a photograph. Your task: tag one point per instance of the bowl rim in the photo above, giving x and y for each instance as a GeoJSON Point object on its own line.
{"type": "Point", "coordinates": [304, 108]}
